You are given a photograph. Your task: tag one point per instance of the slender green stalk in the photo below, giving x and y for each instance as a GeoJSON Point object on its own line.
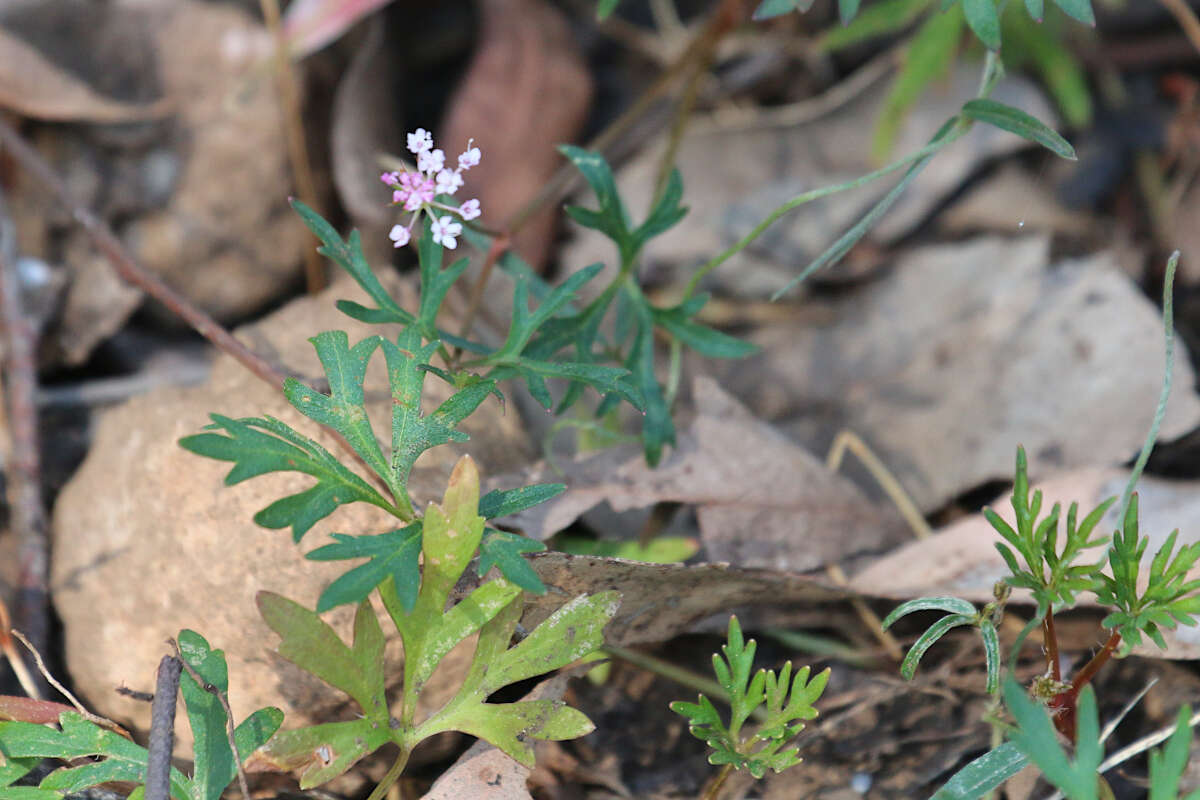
{"type": "Point", "coordinates": [667, 670]}
{"type": "Point", "coordinates": [714, 787]}
{"type": "Point", "coordinates": [392, 776]}
{"type": "Point", "coordinates": [808, 197]}
{"type": "Point", "coordinates": [955, 129]}
{"type": "Point", "coordinates": [1168, 370]}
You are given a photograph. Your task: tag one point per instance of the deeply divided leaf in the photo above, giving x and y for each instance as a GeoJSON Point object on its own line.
{"type": "Point", "coordinates": [261, 445]}
{"type": "Point", "coordinates": [573, 631]}
{"type": "Point", "coordinates": [344, 408]}
{"type": "Point", "coordinates": [394, 555]}
{"type": "Point", "coordinates": [349, 256]}
{"type": "Point", "coordinates": [412, 433]}
{"type": "Point", "coordinates": [77, 738]}
{"type": "Point", "coordinates": [311, 644]}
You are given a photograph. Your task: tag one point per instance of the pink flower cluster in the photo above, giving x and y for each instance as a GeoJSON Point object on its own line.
{"type": "Point", "coordinates": [417, 191]}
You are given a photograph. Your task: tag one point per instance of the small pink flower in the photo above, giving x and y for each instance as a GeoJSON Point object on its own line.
{"type": "Point", "coordinates": [448, 182]}
{"type": "Point", "coordinates": [470, 157]}
{"type": "Point", "coordinates": [418, 190]}
{"type": "Point", "coordinates": [419, 141]}
{"type": "Point", "coordinates": [469, 210]}
{"type": "Point", "coordinates": [444, 232]}
{"type": "Point", "coordinates": [430, 161]}
{"type": "Point", "coordinates": [399, 235]}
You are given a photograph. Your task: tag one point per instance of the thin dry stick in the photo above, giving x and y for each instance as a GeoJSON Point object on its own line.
{"type": "Point", "coordinates": [293, 125]}
{"type": "Point", "coordinates": [810, 109]}
{"type": "Point", "coordinates": [28, 514]}
{"type": "Point", "coordinates": [132, 272]}
{"type": "Point", "coordinates": [224, 701]}
{"type": "Point", "coordinates": [848, 440]}
{"type": "Point", "coordinates": [83, 712]}
{"type": "Point", "coordinates": [27, 681]}
{"type": "Point", "coordinates": [127, 267]}
{"type": "Point", "coordinates": [499, 245]}
{"type": "Point", "coordinates": [565, 179]}
{"type": "Point", "coordinates": [1186, 18]}
{"type": "Point", "coordinates": [683, 113]}
{"type": "Point", "coordinates": [162, 730]}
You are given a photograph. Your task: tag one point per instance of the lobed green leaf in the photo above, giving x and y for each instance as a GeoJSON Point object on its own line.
{"type": "Point", "coordinates": [261, 445]}
{"type": "Point", "coordinates": [394, 555]}
{"type": "Point", "coordinates": [311, 644]}
{"type": "Point", "coordinates": [349, 256]}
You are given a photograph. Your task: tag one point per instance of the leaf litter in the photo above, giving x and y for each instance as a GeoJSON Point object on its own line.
{"type": "Point", "coordinates": [767, 505]}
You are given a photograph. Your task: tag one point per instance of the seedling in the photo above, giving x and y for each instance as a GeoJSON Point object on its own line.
{"type": "Point", "coordinates": [787, 702]}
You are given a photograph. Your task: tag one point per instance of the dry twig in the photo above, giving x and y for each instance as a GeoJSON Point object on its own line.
{"type": "Point", "coordinates": [28, 514]}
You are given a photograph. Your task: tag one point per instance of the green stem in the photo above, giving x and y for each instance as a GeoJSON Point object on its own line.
{"type": "Point", "coordinates": [680, 675]}
{"type": "Point", "coordinates": [1160, 412]}
{"type": "Point", "coordinates": [992, 71]}
{"type": "Point", "coordinates": [710, 792]}
{"type": "Point", "coordinates": [392, 776]}
{"type": "Point", "coordinates": [816, 194]}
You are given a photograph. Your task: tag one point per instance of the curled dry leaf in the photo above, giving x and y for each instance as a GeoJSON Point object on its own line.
{"type": "Point", "coordinates": [309, 25]}
{"type": "Point", "coordinates": [762, 501]}
{"type": "Point", "coordinates": [660, 601]}
{"type": "Point", "coordinates": [965, 350]}
{"type": "Point", "coordinates": [26, 709]}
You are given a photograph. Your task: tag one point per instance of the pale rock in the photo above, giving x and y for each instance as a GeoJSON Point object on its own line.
{"type": "Point", "coordinates": [148, 540]}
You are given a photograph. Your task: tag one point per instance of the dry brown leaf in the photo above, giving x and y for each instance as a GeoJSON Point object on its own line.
{"type": "Point", "coordinates": [762, 501]}
{"type": "Point", "coordinates": [660, 601]}
{"type": "Point", "coordinates": [965, 350]}
{"type": "Point", "coordinates": [482, 771]}
{"type": "Point", "coordinates": [962, 560]}
{"type": "Point", "coordinates": [34, 87]}
{"type": "Point", "coordinates": [527, 91]}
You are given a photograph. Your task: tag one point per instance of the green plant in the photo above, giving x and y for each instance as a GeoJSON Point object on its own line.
{"type": "Point", "coordinates": [429, 629]}
{"type": "Point", "coordinates": [1079, 778]}
{"type": "Point", "coordinates": [787, 701]}
{"type": "Point", "coordinates": [23, 745]}
{"type": "Point", "coordinates": [1055, 576]}
{"type": "Point", "coordinates": [447, 538]}
{"type": "Point", "coordinates": [1033, 41]}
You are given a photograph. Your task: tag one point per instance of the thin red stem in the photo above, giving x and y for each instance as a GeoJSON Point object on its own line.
{"type": "Point", "coordinates": [1050, 646]}
{"type": "Point", "coordinates": [1064, 719]}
